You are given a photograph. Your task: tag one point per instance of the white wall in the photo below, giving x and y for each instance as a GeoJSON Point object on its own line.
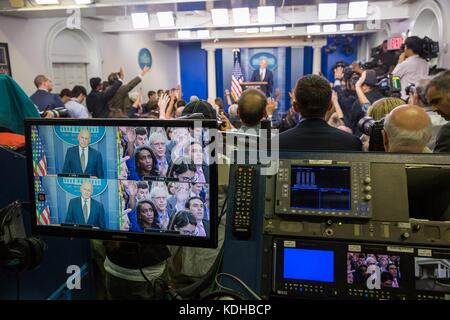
{"type": "Point", "coordinates": [26, 39]}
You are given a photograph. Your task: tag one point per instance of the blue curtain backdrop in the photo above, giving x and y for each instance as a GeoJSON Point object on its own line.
{"type": "Point", "coordinates": [55, 150]}
{"type": "Point", "coordinates": [58, 201]}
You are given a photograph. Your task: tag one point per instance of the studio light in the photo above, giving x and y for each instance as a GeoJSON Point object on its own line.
{"type": "Point", "coordinates": [327, 11]}
{"type": "Point", "coordinates": [140, 20]}
{"type": "Point", "coordinates": [220, 17]}
{"type": "Point", "coordinates": [357, 9]}
{"type": "Point", "coordinates": [165, 19]}
{"type": "Point", "coordinates": [241, 16]}
{"type": "Point", "coordinates": [266, 14]}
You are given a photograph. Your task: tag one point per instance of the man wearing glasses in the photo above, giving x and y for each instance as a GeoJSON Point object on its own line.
{"type": "Point", "coordinates": [159, 197]}
{"type": "Point", "coordinates": [158, 144]}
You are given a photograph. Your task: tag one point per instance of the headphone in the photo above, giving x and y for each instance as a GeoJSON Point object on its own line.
{"type": "Point", "coordinates": [21, 254]}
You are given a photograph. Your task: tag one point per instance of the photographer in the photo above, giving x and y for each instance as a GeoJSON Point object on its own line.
{"type": "Point", "coordinates": [367, 94]}
{"type": "Point", "coordinates": [411, 64]}
{"type": "Point", "coordinates": [344, 89]}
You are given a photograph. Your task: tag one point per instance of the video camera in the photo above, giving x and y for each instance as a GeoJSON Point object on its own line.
{"type": "Point", "coordinates": [430, 49]}
{"type": "Point", "coordinates": [55, 113]}
{"type": "Point", "coordinates": [390, 86]}
{"type": "Point", "coordinates": [372, 128]}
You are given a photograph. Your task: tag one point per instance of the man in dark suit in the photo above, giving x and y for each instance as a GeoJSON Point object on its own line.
{"type": "Point", "coordinates": [438, 96]}
{"type": "Point", "coordinates": [42, 98]}
{"type": "Point", "coordinates": [97, 100]}
{"type": "Point", "coordinates": [196, 206]}
{"type": "Point", "coordinates": [85, 210]}
{"type": "Point", "coordinates": [312, 99]}
{"type": "Point", "coordinates": [263, 75]}
{"type": "Point", "coordinates": [120, 104]}
{"type": "Point", "coordinates": [83, 159]}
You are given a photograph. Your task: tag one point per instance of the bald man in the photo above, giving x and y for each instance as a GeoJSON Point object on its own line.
{"type": "Point", "coordinates": [83, 159]}
{"type": "Point", "coordinates": [407, 129]}
{"type": "Point", "coordinates": [85, 210]}
{"type": "Point", "coordinates": [252, 109]}
{"type": "Point", "coordinates": [438, 96]}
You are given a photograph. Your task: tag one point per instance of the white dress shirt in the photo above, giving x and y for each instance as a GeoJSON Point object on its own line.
{"type": "Point", "coordinates": [411, 70]}
{"type": "Point", "coordinates": [262, 74]}
{"type": "Point", "coordinates": [76, 109]}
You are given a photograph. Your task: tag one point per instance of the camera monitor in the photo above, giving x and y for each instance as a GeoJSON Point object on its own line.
{"type": "Point", "coordinates": [130, 180]}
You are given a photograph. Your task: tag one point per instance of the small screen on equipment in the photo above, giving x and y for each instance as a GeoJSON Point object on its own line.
{"type": "Point", "coordinates": [308, 265]}
{"type": "Point", "coordinates": [320, 187]}
{"type": "Point", "coordinates": [373, 271]}
{"type": "Point", "coordinates": [432, 274]}
{"type": "Point", "coordinates": [128, 180]}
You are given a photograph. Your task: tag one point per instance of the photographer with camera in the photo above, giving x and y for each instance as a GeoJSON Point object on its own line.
{"type": "Point", "coordinates": [438, 96]}
{"type": "Point", "coordinates": [367, 93]}
{"type": "Point", "coordinates": [411, 64]}
{"type": "Point", "coordinates": [344, 88]}
{"type": "Point", "coordinates": [417, 96]}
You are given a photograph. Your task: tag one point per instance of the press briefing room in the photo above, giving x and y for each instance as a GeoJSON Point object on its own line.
{"type": "Point", "coordinates": [265, 153]}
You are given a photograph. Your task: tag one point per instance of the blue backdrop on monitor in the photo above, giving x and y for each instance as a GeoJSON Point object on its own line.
{"type": "Point", "coordinates": [309, 265]}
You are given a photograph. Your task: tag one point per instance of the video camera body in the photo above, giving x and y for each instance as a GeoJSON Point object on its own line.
{"type": "Point", "coordinates": [429, 49]}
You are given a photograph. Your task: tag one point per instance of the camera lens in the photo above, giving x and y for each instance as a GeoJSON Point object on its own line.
{"type": "Point", "coordinates": [365, 125]}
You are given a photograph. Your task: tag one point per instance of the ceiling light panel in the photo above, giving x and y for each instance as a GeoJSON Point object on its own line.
{"type": "Point", "coordinates": [327, 11]}
{"type": "Point", "coordinates": [266, 14]}
{"type": "Point", "coordinates": [241, 16]}
{"type": "Point", "coordinates": [220, 17]}
{"type": "Point", "coordinates": [357, 9]}
{"type": "Point", "coordinates": [165, 19]}
{"type": "Point", "coordinates": [140, 20]}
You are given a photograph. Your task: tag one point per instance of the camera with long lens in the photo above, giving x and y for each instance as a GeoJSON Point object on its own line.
{"type": "Point", "coordinates": [372, 128]}
{"type": "Point", "coordinates": [430, 49]}
{"type": "Point", "coordinates": [55, 113]}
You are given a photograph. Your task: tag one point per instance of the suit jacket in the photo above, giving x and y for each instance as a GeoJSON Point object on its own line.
{"type": "Point", "coordinates": [97, 101]}
{"type": "Point", "coordinates": [316, 134]}
{"type": "Point", "coordinates": [96, 215]}
{"type": "Point", "coordinates": [443, 139]}
{"type": "Point", "coordinates": [46, 100]}
{"type": "Point", "coordinates": [94, 166]}
{"type": "Point", "coordinates": [121, 101]}
{"type": "Point", "coordinates": [268, 77]}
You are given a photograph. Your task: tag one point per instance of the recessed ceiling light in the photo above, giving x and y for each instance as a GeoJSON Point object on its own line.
{"type": "Point", "coordinates": [329, 28]}
{"type": "Point", "coordinates": [266, 29]}
{"type": "Point", "coordinates": [357, 9]}
{"type": "Point", "coordinates": [83, 1]}
{"type": "Point", "coordinates": [165, 19]}
{"type": "Point", "coordinates": [140, 20]}
{"type": "Point", "coordinates": [220, 17]}
{"type": "Point", "coordinates": [252, 30]}
{"type": "Point", "coordinates": [346, 27]}
{"type": "Point", "coordinates": [241, 16]}
{"type": "Point", "coordinates": [315, 28]}
{"type": "Point", "coordinates": [327, 11]}
{"type": "Point", "coordinates": [47, 1]}
{"type": "Point", "coordinates": [203, 33]}
{"type": "Point", "coordinates": [280, 28]}
{"type": "Point", "coordinates": [240, 30]}
{"type": "Point", "coordinates": [266, 14]}
{"type": "Point", "coordinates": [184, 34]}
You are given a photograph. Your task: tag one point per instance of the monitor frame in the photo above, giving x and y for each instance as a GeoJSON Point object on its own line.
{"type": "Point", "coordinates": [168, 239]}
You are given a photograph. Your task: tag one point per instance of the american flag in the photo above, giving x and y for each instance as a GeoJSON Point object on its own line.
{"type": "Point", "coordinates": [236, 77]}
{"type": "Point", "coordinates": [40, 170]}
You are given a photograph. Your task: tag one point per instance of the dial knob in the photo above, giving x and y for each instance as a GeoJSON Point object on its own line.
{"type": "Point", "coordinates": [367, 180]}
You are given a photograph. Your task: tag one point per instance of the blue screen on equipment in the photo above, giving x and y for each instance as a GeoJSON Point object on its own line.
{"type": "Point", "coordinates": [309, 265]}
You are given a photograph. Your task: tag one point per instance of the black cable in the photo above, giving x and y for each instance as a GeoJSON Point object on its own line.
{"type": "Point", "coordinates": [18, 285]}
{"type": "Point", "coordinates": [223, 211]}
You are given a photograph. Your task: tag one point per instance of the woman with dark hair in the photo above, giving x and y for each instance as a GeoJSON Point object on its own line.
{"type": "Point", "coordinates": [146, 216]}
{"type": "Point", "coordinates": [183, 169]}
{"type": "Point", "coordinates": [145, 161]}
{"type": "Point", "coordinates": [184, 222]}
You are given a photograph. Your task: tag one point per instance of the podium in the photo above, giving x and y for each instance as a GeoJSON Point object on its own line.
{"type": "Point", "coordinates": [255, 85]}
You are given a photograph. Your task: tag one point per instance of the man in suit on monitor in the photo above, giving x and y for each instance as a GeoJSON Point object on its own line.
{"type": "Point", "coordinates": [83, 159]}
{"type": "Point", "coordinates": [263, 75]}
{"type": "Point", "coordinates": [85, 210]}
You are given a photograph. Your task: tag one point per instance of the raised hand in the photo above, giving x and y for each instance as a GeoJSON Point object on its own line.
{"type": "Point", "coordinates": [271, 106]}
{"type": "Point", "coordinates": [132, 189]}
{"type": "Point", "coordinates": [144, 71]}
{"type": "Point", "coordinates": [131, 135]}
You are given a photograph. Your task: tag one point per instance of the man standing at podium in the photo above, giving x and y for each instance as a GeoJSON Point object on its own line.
{"type": "Point", "coordinates": [263, 74]}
